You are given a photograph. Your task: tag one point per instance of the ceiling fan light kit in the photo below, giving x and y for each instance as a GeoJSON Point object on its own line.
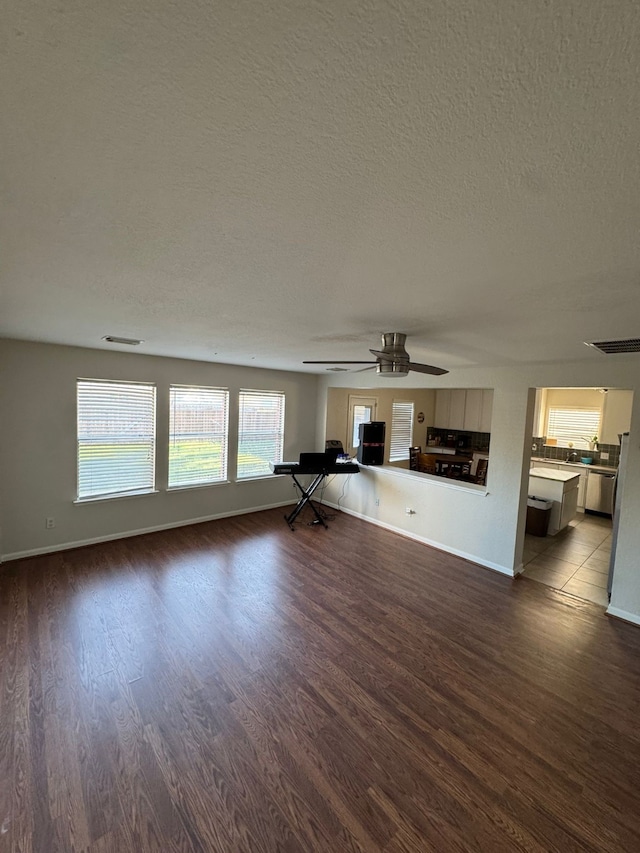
{"type": "Point", "coordinates": [392, 359]}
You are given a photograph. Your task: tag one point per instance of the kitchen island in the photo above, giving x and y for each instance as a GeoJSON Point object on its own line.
{"type": "Point", "coordinates": [560, 487]}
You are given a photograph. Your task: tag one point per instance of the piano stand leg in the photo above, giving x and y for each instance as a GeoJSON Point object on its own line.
{"type": "Point", "coordinates": [305, 500]}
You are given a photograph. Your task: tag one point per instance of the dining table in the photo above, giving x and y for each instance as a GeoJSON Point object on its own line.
{"type": "Point", "coordinates": [452, 465]}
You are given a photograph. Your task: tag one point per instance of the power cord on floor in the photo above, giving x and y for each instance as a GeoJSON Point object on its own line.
{"type": "Point", "coordinates": [320, 507]}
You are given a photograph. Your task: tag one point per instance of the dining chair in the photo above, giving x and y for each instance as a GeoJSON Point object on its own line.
{"type": "Point", "coordinates": [481, 472]}
{"type": "Point", "coordinates": [414, 452]}
{"type": "Point", "coordinates": [427, 463]}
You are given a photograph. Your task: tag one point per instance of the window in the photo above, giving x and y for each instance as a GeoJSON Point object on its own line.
{"type": "Point", "coordinates": [576, 425]}
{"type": "Point", "coordinates": [116, 438]}
{"type": "Point", "coordinates": [361, 415]}
{"type": "Point", "coordinates": [198, 435]}
{"type": "Point", "coordinates": [401, 430]}
{"type": "Point", "coordinates": [260, 432]}
{"type": "Point", "coordinates": [361, 411]}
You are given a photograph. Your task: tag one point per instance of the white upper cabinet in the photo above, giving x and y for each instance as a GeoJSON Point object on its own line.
{"type": "Point", "coordinates": [487, 410]}
{"type": "Point", "coordinates": [473, 409]}
{"type": "Point", "coordinates": [616, 415]}
{"type": "Point", "coordinates": [456, 413]}
{"type": "Point", "coordinates": [460, 409]}
{"type": "Point", "coordinates": [443, 407]}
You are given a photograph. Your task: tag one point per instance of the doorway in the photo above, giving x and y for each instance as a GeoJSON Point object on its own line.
{"type": "Point", "coordinates": [575, 560]}
{"type": "Point", "coordinates": [575, 432]}
{"type": "Point", "coordinates": [361, 411]}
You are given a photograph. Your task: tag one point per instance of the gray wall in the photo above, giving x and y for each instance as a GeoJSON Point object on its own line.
{"type": "Point", "coordinates": [38, 444]}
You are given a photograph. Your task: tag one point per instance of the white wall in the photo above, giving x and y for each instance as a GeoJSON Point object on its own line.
{"type": "Point", "coordinates": [490, 529]}
{"type": "Point", "coordinates": [38, 444]}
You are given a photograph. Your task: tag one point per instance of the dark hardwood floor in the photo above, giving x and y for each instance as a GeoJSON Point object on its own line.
{"type": "Point", "coordinates": [234, 686]}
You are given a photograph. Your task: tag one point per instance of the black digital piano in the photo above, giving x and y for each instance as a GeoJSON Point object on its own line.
{"type": "Point", "coordinates": [320, 466]}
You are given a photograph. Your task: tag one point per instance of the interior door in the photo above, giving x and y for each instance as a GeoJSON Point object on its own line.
{"type": "Point", "coordinates": [361, 411]}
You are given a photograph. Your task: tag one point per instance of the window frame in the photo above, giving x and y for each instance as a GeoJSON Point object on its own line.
{"type": "Point", "coordinates": [279, 434]}
{"type": "Point", "coordinates": [151, 433]}
{"type": "Point", "coordinates": [214, 436]}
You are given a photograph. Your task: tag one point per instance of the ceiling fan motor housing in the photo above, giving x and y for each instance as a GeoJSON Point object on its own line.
{"type": "Point", "coordinates": [392, 368]}
{"type": "Point", "coordinates": [393, 347]}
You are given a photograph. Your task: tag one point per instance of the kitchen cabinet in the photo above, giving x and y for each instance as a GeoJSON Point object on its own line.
{"type": "Point", "coordinates": [473, 409]}
{"type": "Point", "coordinates": [616, 415]}
{"type": "Point", "coordinates": [486, 410]}
{"type": "Point", "coordinates": [456, 412]}
{"type": "Point", "coordinates": [443, 407]}
{"type": "Point", "coordinates": [583, 473]}
{"type": "Point", "coordinates": [582, 485]}
{"type": "Point", "coordinates": [560, 487]}
{"type": "Point", "coordinates": [464, 409]}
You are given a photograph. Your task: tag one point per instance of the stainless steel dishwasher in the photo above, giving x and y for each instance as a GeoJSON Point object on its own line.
{"type": "Point", "coordinates": [600, 492]}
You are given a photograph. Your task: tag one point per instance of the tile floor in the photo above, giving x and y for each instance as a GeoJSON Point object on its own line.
{"type": "Point", "coordinates": [576, 560]}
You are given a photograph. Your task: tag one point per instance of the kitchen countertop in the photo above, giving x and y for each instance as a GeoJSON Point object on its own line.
{"type": "Point", "coordinates": [608, 469]}
{"type": "Point", "coordinates": [554, 474]}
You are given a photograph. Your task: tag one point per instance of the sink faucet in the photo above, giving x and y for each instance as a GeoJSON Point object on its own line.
{"type": "Point", "coordinates": [571, 457]}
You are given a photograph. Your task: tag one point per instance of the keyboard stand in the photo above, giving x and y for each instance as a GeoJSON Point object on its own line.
{"type": "Point", "coordinates": [319, 471]}
{"type": "Point", "coordinates": [305, 500]}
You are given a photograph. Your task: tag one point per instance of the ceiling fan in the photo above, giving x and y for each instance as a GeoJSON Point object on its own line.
{"type": "Point", "coordinates": [392, 359]}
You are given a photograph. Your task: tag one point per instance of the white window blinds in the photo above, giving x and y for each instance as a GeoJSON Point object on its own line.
{"type": "Point", "coordinates": [198, 435]}
{"type": "Point", "coordinates": [578, 426]}
{"type": "Point", "coordinates": [401, 430]}
{"type": "Point", "coordinates": [260, 432]}
{"type": "Point", "coordinates": [116, 438]}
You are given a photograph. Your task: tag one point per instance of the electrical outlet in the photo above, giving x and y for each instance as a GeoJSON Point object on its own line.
{"type": "Point", "coordinates": [377, 501]}
{"type": "Point", "coordinates": [49, 523]}
{"type": "Point", "coordinates": [604, 457]}
{"type": "Point", "coordinates": [410, 511]}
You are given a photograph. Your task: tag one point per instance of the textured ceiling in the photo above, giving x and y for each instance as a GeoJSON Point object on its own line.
{"type": "Point", "coordinates": [260, 183]}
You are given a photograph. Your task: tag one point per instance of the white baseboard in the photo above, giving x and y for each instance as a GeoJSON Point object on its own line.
{"type": "Point", "coordinates": [623, 614]}
{"type": "Point", "coordinates": [80, 543]}
{"type": "Point", "coordinates": [503, 570]}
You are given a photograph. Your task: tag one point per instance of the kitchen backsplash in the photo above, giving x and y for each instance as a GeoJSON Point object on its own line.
{"type": "Point", "coordinates": [464, 439]}
{"type": "Point", "coordinates": [544, 451]}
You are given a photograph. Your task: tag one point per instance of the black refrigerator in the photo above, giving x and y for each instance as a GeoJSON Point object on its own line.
{"type": "Point", "coordinates": [617, 500]}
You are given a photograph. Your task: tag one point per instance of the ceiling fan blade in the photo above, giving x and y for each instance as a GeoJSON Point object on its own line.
{"type": "Point", "coordinates": [364, 369]}
{"type": "Point", "coordinates": [383, 355]}
{"type": "Point", "coordinates": [426, 368]}
{"type": "Point", "coordinates": [339, 362]}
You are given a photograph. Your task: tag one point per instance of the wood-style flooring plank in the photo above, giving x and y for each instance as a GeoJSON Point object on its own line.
{"type": "Point", "coordinates": [233, 687]}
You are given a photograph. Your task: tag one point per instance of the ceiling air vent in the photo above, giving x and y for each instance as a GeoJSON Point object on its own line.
{"type": "Point", "coordinates": [112, 339]}
{"type": "Point", "coordinates": [613, 347]}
